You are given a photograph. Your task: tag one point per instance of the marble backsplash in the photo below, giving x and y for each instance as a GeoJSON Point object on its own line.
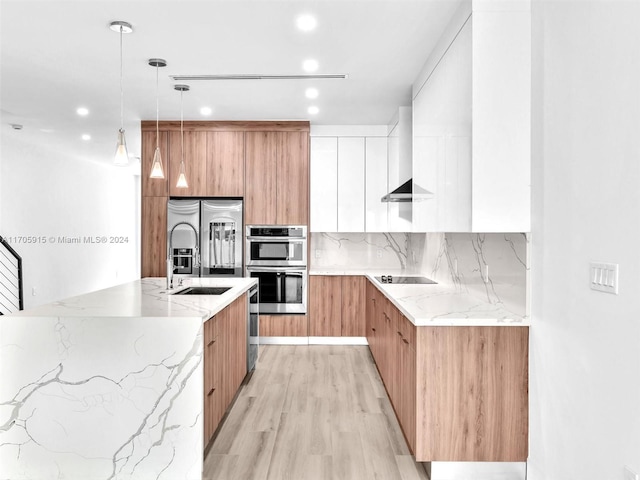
{"type": "Point", "coordinates": [458, 259]}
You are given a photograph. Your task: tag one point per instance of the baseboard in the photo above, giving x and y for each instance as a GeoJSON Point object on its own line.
{"type": "Point", "coordinates": [478, 470]}
{"type": "Point", "coordinates": [284, 340]}
{"type": "Point", "coordinates": [313, 341]}
{"type": "Point", "coordinates": [338, 341]}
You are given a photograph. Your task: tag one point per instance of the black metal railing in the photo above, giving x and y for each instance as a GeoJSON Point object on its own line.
{"type": "Point", "coordinates": [10, 279]}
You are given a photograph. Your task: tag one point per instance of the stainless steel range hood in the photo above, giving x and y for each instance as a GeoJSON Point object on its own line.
{"type": "Point", "coordinates": [405, 193]}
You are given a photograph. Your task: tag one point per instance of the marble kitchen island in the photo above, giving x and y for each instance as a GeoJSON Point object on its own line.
{"type": "Point", "coordinates": [107, 385]}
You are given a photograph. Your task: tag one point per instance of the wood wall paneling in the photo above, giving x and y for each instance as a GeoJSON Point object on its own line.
{"type": "Point", "coordinates": [225, 164]}
{"type": "Point", "coordinates": [293, 178]}
{"type": "Point", "coordinates": [260, 180]}
{"type": "Point", "coordinates": [195, 152]}
{"type": "Point", "coordinates": [154, 236]}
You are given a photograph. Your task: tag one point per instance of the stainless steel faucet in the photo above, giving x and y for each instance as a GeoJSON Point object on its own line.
{"type": "Point", "coordinates": [196, 254]}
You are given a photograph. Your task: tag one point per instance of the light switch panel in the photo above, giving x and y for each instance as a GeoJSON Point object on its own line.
{"type": "Point", "coordinates": [604, 277]}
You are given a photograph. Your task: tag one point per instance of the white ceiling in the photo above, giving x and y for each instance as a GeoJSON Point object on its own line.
{"type": "Point", "coordinates": [60, 55]}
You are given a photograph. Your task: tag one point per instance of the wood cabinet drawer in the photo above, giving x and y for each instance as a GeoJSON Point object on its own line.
{"type": "Point", "coordinates": [406, 330]}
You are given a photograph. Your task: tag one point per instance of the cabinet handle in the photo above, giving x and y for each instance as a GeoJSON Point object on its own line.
{"type": "Point", "coordinates": [405, 341]}
{"type": "Point", "coordinates": [210, 392]}
{"type": "Point", "coordinates": [211, 343]}
{"type": "Point", "coordinates": [373, 329]}
{"type": "Point", "coordinates": [399, 333]}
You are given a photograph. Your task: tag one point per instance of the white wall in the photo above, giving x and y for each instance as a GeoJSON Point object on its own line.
{"type": "Point", "coordinates": [585, 345]}
{"type": "Point", "coordinates": [46, 194]}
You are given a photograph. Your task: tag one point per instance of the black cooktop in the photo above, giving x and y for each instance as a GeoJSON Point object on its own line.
{"type": "Point", "coordinates": [404, 280]}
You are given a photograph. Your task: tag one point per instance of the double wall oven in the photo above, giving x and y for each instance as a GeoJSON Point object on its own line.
{"type": "Point", "coordinates": [277, 257]}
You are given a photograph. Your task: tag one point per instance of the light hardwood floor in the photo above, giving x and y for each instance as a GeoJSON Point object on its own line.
{"type": "Point", "coordinates": [312, 412]}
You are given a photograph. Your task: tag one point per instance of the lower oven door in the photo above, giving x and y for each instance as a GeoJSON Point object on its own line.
{"type": "Point", "coordinates": [280, 289]}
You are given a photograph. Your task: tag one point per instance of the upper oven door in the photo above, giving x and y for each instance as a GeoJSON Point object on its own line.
{"type": "Point", "coordinates": [277, 252]}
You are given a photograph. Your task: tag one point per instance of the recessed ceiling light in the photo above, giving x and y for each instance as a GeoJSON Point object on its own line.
{"type": "Point", "coordinates": [310, 65]}
{"type": "Point", "coordinates": [86, 136]}
{"type": "Point", "coordinates": [311, 92]}
{"type": "Point", "coordinates": [82, 111]}
{"type": "Point", "coordinates": [306, 23]}
{"type": "Point", "coordinates": [313, 110]}
{"type": "Point", "coordinates": [206, 111]}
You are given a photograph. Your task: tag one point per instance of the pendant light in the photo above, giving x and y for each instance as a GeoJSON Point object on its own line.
{"type": "Point", "coordinates": [122, 156]}
{"type": "Point", "coordinates": [156, 167]}
{"type": "Point", "coordinates": [182, 178]}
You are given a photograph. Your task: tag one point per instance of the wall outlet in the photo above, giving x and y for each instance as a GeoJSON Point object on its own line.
{"type": "Point", "coordinates": [33, 291]}
{"type": "Point", "coordinates": [379, 253]}
{"type": "Point", "coordinates": [603, 277]}
{"type": "Point", "coordinates": [318, 253]}
{"type": "Point", "coordinates": [630, 474]}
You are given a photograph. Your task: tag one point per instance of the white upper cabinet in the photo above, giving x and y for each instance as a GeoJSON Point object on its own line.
{"type": "Point", "coordinates": [399, 170]}
{"type": "Point", "coordinates": [351, 153]}
{"type": "Point", "coordinates": [348, 178]}
{"type": "Point", "coordinates": [442, 142]}
{"type": "Point", "coordinates": [323, 189]}
{"type": "Point", "coordinates": [471, 123]}
{"type": "Point", "coordinates": [501, 173]}
{"type": "Point", "coordinates": [376, 184]}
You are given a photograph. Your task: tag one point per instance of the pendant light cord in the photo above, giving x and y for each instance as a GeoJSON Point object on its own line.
{"type": "Point", "coordinates": [182, 126]}
{"type": "Point", "coordinates": [121, 90]}
{"type": "Point", "coordinates": [157, 107]}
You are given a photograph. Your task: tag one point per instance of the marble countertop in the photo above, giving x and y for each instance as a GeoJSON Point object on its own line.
{"type": "Point", "coordinates": [445, 305]}
{"type": "Point", "coordinates": [146, 298]}
{"type": "Point", "coordinates": [434, 304]}
{"type": "Point", "coordinates": [328, 271]}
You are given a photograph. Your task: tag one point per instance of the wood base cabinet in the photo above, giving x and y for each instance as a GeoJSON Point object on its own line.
{"type": "Point", "coordinates": [337, 306]}
{"type": "Point", "coordinates": [474, 386]}
{"type": "Point", "coordinates": [225, 361]}
{"type": "Point", "coordinates": [460, 393]}
{"type": "Point", "coordinates": [283, 326]}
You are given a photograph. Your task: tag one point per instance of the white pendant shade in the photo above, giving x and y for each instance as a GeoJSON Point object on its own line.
{"type": "Point", "coordinates": [182, 178]}
{"type": "Point", "coordinates": [156, 168]}
{"type": "Point", "coordinates": [122, 156]}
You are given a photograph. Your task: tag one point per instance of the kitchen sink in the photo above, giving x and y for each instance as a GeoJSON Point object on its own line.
{"type": "Point", "coordinates": [202, 291]}
{"type": "Point", "coordinates": [405, 280]}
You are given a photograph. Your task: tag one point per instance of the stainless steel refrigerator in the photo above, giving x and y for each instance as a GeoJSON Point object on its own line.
{"type": "Point", "coordinates": [204, 237]}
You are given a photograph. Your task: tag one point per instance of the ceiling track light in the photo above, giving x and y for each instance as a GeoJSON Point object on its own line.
{"type": "Point", "coordinates": [242, 76]}
{"type": "Point", "coordinates": [156, 167]}
{"type": "Point", "coordinates": [122, 156]}
{"type": "Point", "coordinates": [182, 177]}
